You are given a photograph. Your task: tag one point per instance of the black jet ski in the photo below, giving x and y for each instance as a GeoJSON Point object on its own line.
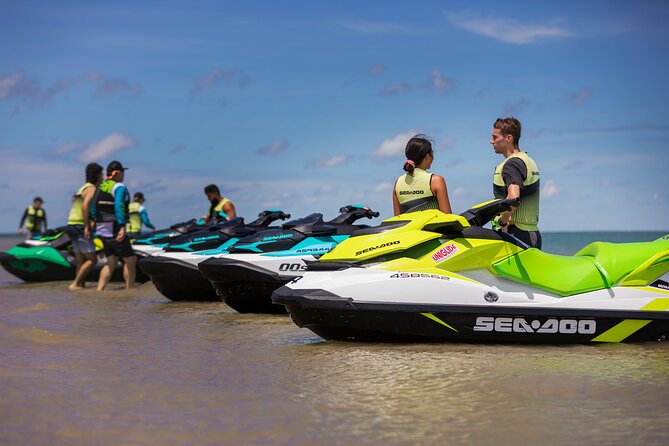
{"type": "Point", "coordinates": [174, 270]}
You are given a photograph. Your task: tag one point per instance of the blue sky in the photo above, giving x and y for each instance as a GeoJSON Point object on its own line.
{"type": "Point", "coordinates": [307, 106]}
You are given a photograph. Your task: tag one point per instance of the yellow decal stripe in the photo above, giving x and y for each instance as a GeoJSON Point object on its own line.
{"type": "Point", "coordinates": [437, 320]}
{"type": "Point", "coordinates": [659, 304]}
{"type": "Point", "coordinates": [621, 331]}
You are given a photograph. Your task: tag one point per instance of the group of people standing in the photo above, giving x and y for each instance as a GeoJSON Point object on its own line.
{"type": "Point", "coordinates": [517, 177]}
{"type": "Point", "coordinates": [102, 206]}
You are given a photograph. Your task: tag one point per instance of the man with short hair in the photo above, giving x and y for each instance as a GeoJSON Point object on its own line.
{"type": "Point", "coordinates": [34, 216]}
{"type": "Point", "coordinates": [516, 177]}
{"type": "Point", "coordinates": [221, 207]}
{"type": "Point", "coordinates": [138, 216]}
{"type": "Point", "coordinates": [111, 215]}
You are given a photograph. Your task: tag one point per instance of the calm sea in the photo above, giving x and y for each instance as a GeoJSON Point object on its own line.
{"type": "Point", "coordinates": [132, 368]}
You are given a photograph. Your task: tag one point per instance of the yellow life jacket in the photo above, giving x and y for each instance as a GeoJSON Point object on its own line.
{"type": "Point", "coordinates": [76, 216]}
{"type": "Point", "coordinates": [35, 219]}
{"type": "Point", "coordinates": [214, 210]}
{"type": "Point", "coordinates": [134, 217]}
{"type": "Point", "coordinates": [414, 192]}
{"type": "Point", "coordinates": [526, 216]}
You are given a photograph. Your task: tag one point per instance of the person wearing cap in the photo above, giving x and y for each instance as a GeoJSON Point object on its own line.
{"type": "Point", "coordinates": [418, 189]}
{"type": "Point", "coordinates": [80, 226]}
{"type": "Point", "coordinates": [221, 207]}
{"type": "Point", "coordinates": [33, 217]}
{"type": "Point", "coordinates": [138, 217]}
{"type": "Point", "coordinates": [111, 215]}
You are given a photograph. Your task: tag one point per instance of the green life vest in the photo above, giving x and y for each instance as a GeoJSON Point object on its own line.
{"type": "Point", "coordinates": [34, 219]}
{"type": "Point", "coordinates": [414, 192]}
{"type": "Point", "coordinates": [134, 219]}
{"type": "Point", "coordinates": [77, 210]}
{"type": "Point", "coordinates": [526, 216]}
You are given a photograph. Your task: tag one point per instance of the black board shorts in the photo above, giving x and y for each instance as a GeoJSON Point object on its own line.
{"type": "Point", "coordinates": [115, 248]}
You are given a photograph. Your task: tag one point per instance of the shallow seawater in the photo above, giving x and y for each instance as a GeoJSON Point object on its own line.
{"type": "Point", "coordinates": [134, 368]}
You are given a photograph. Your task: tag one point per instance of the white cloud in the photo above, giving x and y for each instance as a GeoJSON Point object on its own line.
{"type": "Point", "coordinates": [217, 76]}
{"type": "Point", "coordinates": [437, 81]}
{"type": "Point", "coordinates": [393, 89]}
{"type": "Point", "coordinates": [459, 191]}
{"type": "Point", "coordinates": [273, 148]}
{"type": "Point", "coordinates": [510, 30]}
{"type": "Point", "coordinates": [377, 69]}
{"type": "Point", "coordinates": [395, 145]}
{"type": "Point", "coordinates": [379, 28]}
{"type": "Point", "coordinates": [549, 189]}
{"type": "Point", "coordinates": [332, 161]}
{"type": "Point", "coordinates": [659, 197]}
{"type": "Point", "coordinates": [384, 186]}
{"type": "Point", "coordinates": [106, 147]}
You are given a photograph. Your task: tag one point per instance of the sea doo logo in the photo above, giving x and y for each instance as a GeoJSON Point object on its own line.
{"type": "Point", "coordinates": [292, 267]}
{"type": "Point", "coordinates": [445, 253]}
{"type": "Point", "coordinates": [412, 192]}
{"type": "Point", "coordinates": [373, 248]}
{"type": "Point", "coordinates": [276, 237]}
{"type": "Point", "coordinates": [418, 276]}
{"type": "Point", "coordinates": [521, 325]}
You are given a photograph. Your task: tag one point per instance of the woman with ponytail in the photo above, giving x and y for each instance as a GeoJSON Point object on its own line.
{"type": "Point", "coordinates": [417, 189]}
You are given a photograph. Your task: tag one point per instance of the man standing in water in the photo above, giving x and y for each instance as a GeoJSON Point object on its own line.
{"type": "Point", "coordinates": [111, 215]}
{"type": "Point", "coordinates": [221, 207]}
{"type": "Point", "coordinates": [516, 177]}
{"type": "Point", "coordinates": [33, 217]}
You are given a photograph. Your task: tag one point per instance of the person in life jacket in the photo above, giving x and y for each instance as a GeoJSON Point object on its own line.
{"type": "Point", "coordinates": [418, 189]}
{"type": "Point", "coordinates": [138, 216]}
{"type": "Point", "coordinates": [34, 217]}
{"type": "Point", "coordinates": [111, 215]}
{"type": "Point", "coordinates": [221, 208]}
{"type": "Point", "coordinates": [80, 226]}
{"type": "Point", "coordinates": [516, 176]}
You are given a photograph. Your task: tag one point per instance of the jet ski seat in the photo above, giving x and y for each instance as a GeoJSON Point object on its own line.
{"type": "Point", "coordinates": [537, 268]}
{"type": "Point", "coordinates": [617, 260]}
{"type": "Point", "coordinates": [597, 266]}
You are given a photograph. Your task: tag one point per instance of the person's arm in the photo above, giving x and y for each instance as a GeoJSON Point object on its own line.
{"type": "Point", "coordinates": [23, 220]}
{"type": "Point", "coordinates": [229, 209]}
{"type": "Point", "coordinates": [145, 219]}
{"type": "Point", "coordinates": [396, 201]}
{"type": "Point", "coordinates": [438, 188]}
{"type": "Point", "coordinates": [120, 199]}
{"type": "Point", "coordinates": [513, 175]}
{"type": "Point", "coordinates": [87, 200]}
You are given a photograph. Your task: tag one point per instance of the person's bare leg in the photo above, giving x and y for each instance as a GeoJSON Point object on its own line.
{"type": "Point", "coordinates": [80, 260]}
{"type": "Point", "coordinates": [89, 262]}
{"type": "Point", "coordinates": [129, 271]}
{"type": "Point", "coordinates": [106, 272]}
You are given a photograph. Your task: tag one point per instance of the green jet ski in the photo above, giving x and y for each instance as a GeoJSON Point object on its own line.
{"type": "Point", "coordinates": [430, 276]}
{"type": "Point", "coordinates": [48, 256]}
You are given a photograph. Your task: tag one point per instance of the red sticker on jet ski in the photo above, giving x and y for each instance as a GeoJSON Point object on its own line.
{"type": "Point", "coordinates": [444, 253]}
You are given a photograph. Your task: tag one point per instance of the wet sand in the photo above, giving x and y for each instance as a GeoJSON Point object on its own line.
{"type": "Point", "coordinates": [133, 368]}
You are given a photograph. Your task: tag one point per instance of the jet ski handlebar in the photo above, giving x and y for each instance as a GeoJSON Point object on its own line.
{"type": "Point", "coordinates": [484, 213]}
{"type": "Point", "coordinates": [268, 216]}
{"type": "Point", "coordinates": [351, 213]}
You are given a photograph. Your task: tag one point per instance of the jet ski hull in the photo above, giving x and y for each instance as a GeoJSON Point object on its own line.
{"type": "Point", "coordinates": [247, 285]}
{"type": "Point", "coordinates": [58, 267]}
{"type": "Point", "coordinates": [178, 280]}
{"type": "Point", "coordinates": [390, 314]}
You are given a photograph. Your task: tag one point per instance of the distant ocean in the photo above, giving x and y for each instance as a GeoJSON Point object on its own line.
{"type": "Point", "coordinates": [569, 243]}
